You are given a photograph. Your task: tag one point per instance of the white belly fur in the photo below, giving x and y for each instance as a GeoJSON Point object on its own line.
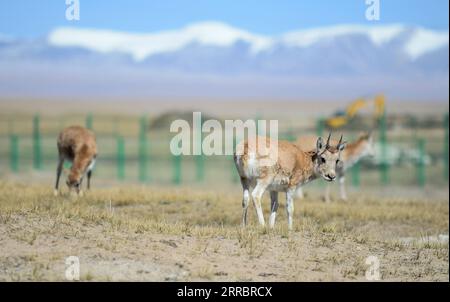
{"type": "Point", "coordinates": [91, 165]}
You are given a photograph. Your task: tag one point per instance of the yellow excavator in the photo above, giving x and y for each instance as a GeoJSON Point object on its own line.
{"type": "Point", "coordinates": [343, 118]}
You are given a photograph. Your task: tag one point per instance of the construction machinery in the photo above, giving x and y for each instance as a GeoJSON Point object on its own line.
{"type": "Point", "coordinates": [341, 119]}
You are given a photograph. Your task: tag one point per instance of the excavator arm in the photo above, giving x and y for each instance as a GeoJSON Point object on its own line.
{"type": "Point", "coordinates": [356, 106]}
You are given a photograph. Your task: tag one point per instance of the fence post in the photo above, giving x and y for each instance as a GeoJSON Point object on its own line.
{"type": "Point", "coordinates": [383, 143]}
{"type": "Point", "coordinates": [290, 135]}
{"type": "Point", "coordinates": [176, 179]}
{"type": "Point", "coordinates": [421, 176]}
{"type": "Point", "coordinates": [320, 126]}
{"type": "Point", "coordinates": [143, 149]}
{"type": "Point", "coordinates": [199, 159]}
{"type": "Point", "coordinates": [14, 153]}
{"type": "Point", "coordinates": [200, 163]}
{"type": "Point", "coordinates": [446, 146]}
{"type": "Point", "coordinates": [120, 158]}
{"type": "Point", "coordinates": [356, 180]}
{"type": "Point", "coordinates": [89, 120]}
{"type": "Point", "coordinates": [37, 154]}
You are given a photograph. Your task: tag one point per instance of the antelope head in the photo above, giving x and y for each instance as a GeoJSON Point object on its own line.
{"type": "Point", "coordinates": [328, 158]}
{"type": "Point", "coordinates": [73, 180]}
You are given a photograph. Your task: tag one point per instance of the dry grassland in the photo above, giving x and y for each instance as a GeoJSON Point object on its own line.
{"type": "Point", "coordinates": [170, 234]}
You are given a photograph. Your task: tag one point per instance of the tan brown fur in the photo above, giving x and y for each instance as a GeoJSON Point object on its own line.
{"type": "Point", "coordinates": [292, 161]}
{"type": "Point", "coordinates": [355, 148]}
{"type": "Point", "coordinates": [77, 145]}
{"type": "Point", "coordinates": [291, 168]}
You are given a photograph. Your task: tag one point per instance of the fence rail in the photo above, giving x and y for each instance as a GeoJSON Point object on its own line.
{"type": "Point", "coordinates": [145, 156]}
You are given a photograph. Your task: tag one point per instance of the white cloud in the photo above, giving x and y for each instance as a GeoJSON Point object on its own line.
{"type": "Point", "coordinates": [378, 34]}
{"type": "Point", "coordinates": [425, 40]}
{"type": "Point", "coordinates": [143, 45]}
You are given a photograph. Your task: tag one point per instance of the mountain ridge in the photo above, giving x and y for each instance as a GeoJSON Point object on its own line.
{"type": "Point", "coordinates": [141, 46]}
{"type": "Point", "coordinates": [215, 59]}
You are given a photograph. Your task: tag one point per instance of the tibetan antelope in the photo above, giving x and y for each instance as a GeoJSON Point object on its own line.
{"type": "Point", "coordinates": [353, 152]}
{"type": "Point", "coordinates": [77, 145]}
{"type": "Point", "coordinates": [291, 169]}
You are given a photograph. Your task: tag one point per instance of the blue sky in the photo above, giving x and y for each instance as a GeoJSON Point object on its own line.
{"type": "Point", "coordinates": [34, 18]}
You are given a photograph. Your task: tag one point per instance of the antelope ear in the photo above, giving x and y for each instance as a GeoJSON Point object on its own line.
{"type": "Point", "coordinates": [319, 145]}
{"type": "Point", "coordinates": [341, 146]}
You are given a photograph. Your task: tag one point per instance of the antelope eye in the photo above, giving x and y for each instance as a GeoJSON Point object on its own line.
{"type": "Point", "coordinates": [322, 160]}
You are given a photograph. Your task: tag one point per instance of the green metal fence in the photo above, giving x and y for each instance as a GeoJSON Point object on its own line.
{"type": "Point", "coordinates": [384, 167]}
{"type": "Point", "coordinates": [14, 153]}
{"type": "Point", "coordinates": [37, 159]}
{"type": "Point", "coordinates": [445, 153]}
{"type": "Point", "coordinates": [145, 156]}
{"type": "Point", "coordinates": [143, 146]}
{"type": "Point", "coordinates": [121, 158]}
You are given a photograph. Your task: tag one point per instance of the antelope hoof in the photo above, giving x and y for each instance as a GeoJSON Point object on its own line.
{"type": "Point", "coordinates": [55, 193]}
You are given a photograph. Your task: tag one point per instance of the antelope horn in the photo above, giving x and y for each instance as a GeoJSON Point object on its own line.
{"type": "Point", "coordinates": [328, 140]}
{"type": "Point", "coordinates": [340, 141]}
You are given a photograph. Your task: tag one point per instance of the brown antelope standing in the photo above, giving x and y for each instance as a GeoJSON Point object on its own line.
{"type": "Point", "coordinates": [353, 152]}
{"type": "Point", "coordinates": [291, 169]}
{"type": "Point", "coordinates": [77, 145]}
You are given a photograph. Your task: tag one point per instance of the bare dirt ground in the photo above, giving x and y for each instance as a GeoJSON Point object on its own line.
{"type": "Point", "coordinates": [181, 234]}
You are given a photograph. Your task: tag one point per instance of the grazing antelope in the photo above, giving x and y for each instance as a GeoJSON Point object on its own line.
{"type": "Point", "coordinates": [77, 145]}
{"type": "Point", "coordinates": [353, 152]}
{"type": "Point", "coordinates": [292, 168]}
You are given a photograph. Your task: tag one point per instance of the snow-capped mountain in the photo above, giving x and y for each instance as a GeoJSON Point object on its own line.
{"type": "Point", "coordinates": [214, 58]}
{"type": "Point", "coordinates": [215, 34]}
